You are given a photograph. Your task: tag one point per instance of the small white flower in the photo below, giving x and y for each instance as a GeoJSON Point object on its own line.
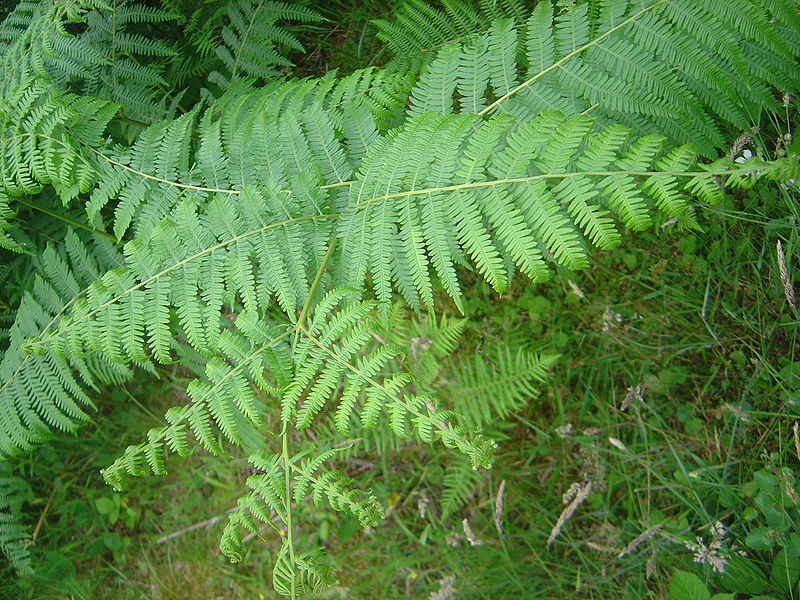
{"type": "Point", "coordinates": [575, 289]}
{"type": "Point", "coordinates": [610, 319]}
{"type": "Point", "coordinates": [717, 552]}
{"type": "Point", "coordinates": [571, 492]}
{"type": "Point", "coordinates": [470, 535]}
{"type": "Point", "coordinates": [746, 155]}
{"type": "Point", "coordinates": [446, 589]}
{"type": "Point", "coordinates": [708, 555]}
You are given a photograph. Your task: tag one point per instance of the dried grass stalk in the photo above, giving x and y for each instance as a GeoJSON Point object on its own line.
{"type": "Point", "coordinates": [578, 492]}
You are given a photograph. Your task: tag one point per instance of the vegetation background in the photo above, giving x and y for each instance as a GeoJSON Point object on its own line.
{"type": "Point", "coordinates": [674, 406]}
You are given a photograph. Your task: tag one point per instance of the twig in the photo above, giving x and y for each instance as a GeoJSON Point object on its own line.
{"type": "Point", "coordinates": [200, 525]}
{"type": "Point", "coordinates": [253, 534]}
{"type": "Point", "coordinates": [42, 516]}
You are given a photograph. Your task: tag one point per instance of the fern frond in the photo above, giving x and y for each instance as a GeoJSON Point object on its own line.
{"type": "Point", "coordinates": [14, 536]}
{"type": "Point", "coordinates": [527, 184]}
{"type": "Point", "coordinates": [326, 363]}
{"type": "Point", "coordinates": [494, 191]}
{"type": "Point", "coordinates": [250, 36]}
{"type": "Point", "coordinates": [40, 392]}
{"type": "Point", "coordinates": [493, 387]}
{"type": "Point", "coordinates": [618, 61]}
{"type": "Point", "coordinates": [267, 504]}
{"type": "Point", "coordinates": [300, 574]}
{"type": "Point", "coordinates": [458, 486]}
{"type": "Point", "coordinates": [331, 354]}
{"type": "Point", "coordinates": [104, 58]}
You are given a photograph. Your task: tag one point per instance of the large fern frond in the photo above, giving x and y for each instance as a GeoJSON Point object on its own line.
{"type": "Point", "coordinates": [331, 373]}
{"type": "Point", "coordinates": [497, 191]}
{"type": "Point", "coordinates": [666, 66]}
{"type": "Point", "coordinates": [287, 133]}
{"type": "Point", "coordinates": [492, 191]}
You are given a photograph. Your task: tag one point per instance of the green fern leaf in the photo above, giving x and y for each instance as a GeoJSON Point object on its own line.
{"type": "Point", "coordinates": [494, 387]}
{"type": "Point", "coordinates": [40, 391]}
{"type": "Point", "coordinates": [250, 36]}
{"type": "Point", "coordinates": [14, 535]}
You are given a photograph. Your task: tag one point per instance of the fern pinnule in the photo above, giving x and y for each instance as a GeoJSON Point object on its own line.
{"type": "Point", "coordinates": [299, 572]}
{"type": "Point", "coordinates": [309, 477]}
{"type": "Point", "coordinates": [7, 226]}
{"type": "Point", "coordinates": [266, 502]}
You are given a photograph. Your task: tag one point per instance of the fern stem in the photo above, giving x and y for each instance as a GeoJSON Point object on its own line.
{"type": "Point", "coordinates": [482, 184]}
{"type": "Point", "coordinates": [572, 54]}
{"type": "Point", "coordinates": [129, 121]}
{"type": "Point", "coordinates": [67, 220]}
{"type": "Point", "coordinates": [336, 185]}
{"type": "Point", "coordinates": [287, 477]}
{"type": "Point", "coordinates": [109, 160]}
{"type": "Point", "coordinates": [62, 143]}
{"type": "Point", "coordinates": [184, 186]}
{"type": "Point", "coordinates": [314, 285]}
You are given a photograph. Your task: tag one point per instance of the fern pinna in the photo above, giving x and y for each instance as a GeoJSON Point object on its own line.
{"type": "Point", "coordinates": [269, 231]}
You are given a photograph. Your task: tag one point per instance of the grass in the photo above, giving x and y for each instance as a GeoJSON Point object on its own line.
{"type": "Point", "coordinates": [345, 40]}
